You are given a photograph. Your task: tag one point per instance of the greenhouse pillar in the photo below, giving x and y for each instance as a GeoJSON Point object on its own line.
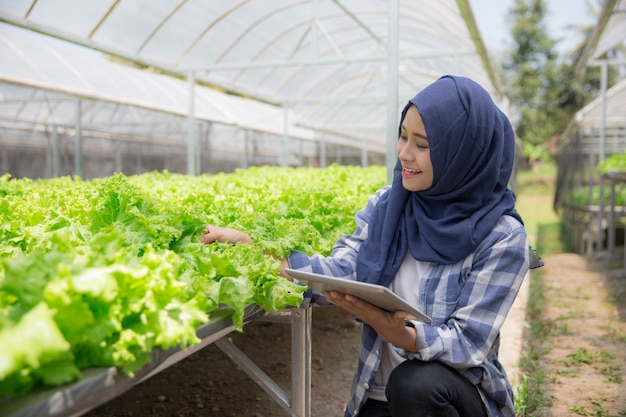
{"type": "Point", "coordinates": [364, 157]}
{"type": "Point", "coordinates": [78, 152]}
{"type": "Point", "coordinates": [191, 133]}
{"type": "Point", "coordinates": [602, 152]}
{"type": "Point", "coordinates": [246, 149]}
{"type": "Point", "coordinates": [392, 86]}
{"type": "Point", "coordinates": [603, 88]}
{"type": "Point", "coordinates": [301, 361]}
{"type": "Point", "coordinates": [55, 153]}
{"type": "Point", "coordinates": [118, 155]}
{"type": "Point", "coordinates": [197, 145]}
{"type": "Point", "coordinates": [285, 139]}
{"type": "Point", "coordinates": [139, 159]}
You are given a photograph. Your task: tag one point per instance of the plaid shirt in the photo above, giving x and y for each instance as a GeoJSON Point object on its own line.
{"type": "Point", "coordinates": [468, 302]}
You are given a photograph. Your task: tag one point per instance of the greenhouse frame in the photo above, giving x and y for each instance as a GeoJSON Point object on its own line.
{"type": "Point", "coordinates": [304, 83]}
{"type": "Point", "coordinates": [93, 88]}
{"type": "Point", "coordinates": [585, 198]}
{"type": "Point", "coordinates": [192, 86]}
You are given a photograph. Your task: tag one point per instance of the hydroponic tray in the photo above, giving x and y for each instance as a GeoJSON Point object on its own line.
{"type": "Point", "coordinates": [99, 385]}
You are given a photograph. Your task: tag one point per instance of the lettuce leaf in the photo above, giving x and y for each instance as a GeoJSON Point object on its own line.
{"type": "Point", "coordinates": [30, 349]}
{"type": "Point", "coordinates": [113, 267]}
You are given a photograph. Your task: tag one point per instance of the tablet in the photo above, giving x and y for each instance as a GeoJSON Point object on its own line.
{"type": "Point", "coordinates": [378, 295]}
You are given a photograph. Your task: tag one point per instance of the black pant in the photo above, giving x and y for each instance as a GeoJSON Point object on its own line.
{"type": "Point", "coordinates": [426, 389]}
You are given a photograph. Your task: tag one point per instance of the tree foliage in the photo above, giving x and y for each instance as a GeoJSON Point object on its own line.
{"type": "Point", "coordinates": [540, 84]}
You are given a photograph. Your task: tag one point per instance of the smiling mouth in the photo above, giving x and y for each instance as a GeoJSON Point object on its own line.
{"type": "Point", "coordinates": [409, 172]}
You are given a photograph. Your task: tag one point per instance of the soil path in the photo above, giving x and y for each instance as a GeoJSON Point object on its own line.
{"type": "Point", "coordinates": [584, 357]}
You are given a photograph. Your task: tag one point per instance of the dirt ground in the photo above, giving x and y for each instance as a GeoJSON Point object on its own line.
{"type": "Point", "coordinates": [585, 356]}
{"type": "Point", "coordinates": [584, 359]}
{"type": "Point", "coordinates": [209, 384]}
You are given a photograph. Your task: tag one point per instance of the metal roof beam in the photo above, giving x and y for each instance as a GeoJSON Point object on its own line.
{"type": "Point", "coordinates": [330, 61]}
{"type": "Point", "coordinates": [358, 22]}
{"type": "Point", "coordinates": [592, 43]}
{"type": "Point", "coordinates": [77, 40]}
{"type": "Point", "coordinates": [468, 16]}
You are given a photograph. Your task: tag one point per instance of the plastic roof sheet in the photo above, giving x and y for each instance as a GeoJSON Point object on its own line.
{"type": "Point", "coordinates": [611, 36]}
{"type": "Point", "coordinates": [55, 66]}
{"type": "Point", "coordinates": [326, 60]}
{"type": "Point", "coordinates": [614, 33]}
{"type": "Point", "coordinates": [590, 116]}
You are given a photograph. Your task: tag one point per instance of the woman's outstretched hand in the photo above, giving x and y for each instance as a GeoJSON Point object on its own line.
{"type": "Point", "coordinates": [214, 233]}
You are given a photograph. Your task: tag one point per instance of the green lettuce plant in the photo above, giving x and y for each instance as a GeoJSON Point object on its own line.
{"type": "Point", "coordinates": [103, 272]}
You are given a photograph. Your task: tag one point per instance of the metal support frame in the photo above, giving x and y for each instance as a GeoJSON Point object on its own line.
{"type": "Point", "coordinates": [602, 151]}
{"type": "Point", "coordinates": [285, 138]}
{"type": "Point", "coordinates": [614, 216]}
{"type": "Point", "coordinates": [78, 153]}
{"type": "Point", "coordinates": [299, 404]}
{"type": "Point", "coordinates": [392, 86]}
{"type": "Point", "coordinates": [55, 168]}
{"type": "Point", "coordinates": [364, 158]}
{"type": "Point", "coordinates": [191, 131]}
{"type": "Point", "coordinates": [99, 385]}
{"type": "Point", "coordinates": [245, 161]}
{"type": "Point", "coordinates": [322, 143]}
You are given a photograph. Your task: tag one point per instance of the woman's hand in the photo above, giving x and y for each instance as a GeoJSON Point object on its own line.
{"type": "Point", "coordinates": [214, 233]}
{"type": "Point", "coordinates": [391, 327]}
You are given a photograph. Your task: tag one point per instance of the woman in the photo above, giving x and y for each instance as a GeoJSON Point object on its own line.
{"type": "Point", "coordinates": [445, 236]}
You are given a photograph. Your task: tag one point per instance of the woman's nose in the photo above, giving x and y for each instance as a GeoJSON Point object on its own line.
{"type": "Point", "coordinates": [403, 151]}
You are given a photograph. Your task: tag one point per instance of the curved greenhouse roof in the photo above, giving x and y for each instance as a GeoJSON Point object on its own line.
{"type": "Point", "coordinates": [309, 69]}
{"type": "Point", "coordinates": [609, 108]}
{"type": "Point", "coordinates": [54, 66]}
{"type": "Point", "coordinates": [612, 114]}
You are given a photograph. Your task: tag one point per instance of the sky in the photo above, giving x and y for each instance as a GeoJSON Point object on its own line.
{"type": "Point", "coordinates": [491, 16]}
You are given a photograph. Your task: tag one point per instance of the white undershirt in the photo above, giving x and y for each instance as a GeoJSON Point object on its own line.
{"type": "Point", "coordinates": [406, 285]}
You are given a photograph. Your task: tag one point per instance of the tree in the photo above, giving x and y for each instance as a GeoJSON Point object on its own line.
{"type": "Point", "coordinates": [530, 74]}
{"type": "Point", "coordinates": [543, 91]}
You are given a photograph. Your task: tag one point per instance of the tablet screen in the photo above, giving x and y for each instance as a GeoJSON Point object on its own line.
{"type": "Point", "coordinates": [375, 294]}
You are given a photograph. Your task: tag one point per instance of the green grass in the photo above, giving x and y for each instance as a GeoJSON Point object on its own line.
{"type": "Point", "coordinates": [540, 179]}
{"type": "Point", "coordinates": [535, 195]}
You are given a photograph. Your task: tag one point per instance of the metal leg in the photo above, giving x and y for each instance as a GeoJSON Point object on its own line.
{"type": "Point", "coordinates": [299, 405]}
{"type": "Point", "coordinates": [255, 373]}
{"type": "Point", "coordinates": [301, 362]}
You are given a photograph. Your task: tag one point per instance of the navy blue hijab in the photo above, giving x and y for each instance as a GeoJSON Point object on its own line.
{"type": "Point", "coordinates": [472, 151]}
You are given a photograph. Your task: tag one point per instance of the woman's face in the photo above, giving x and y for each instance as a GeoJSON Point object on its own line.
{"type": "Point", "coordinates": [414, 152]}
